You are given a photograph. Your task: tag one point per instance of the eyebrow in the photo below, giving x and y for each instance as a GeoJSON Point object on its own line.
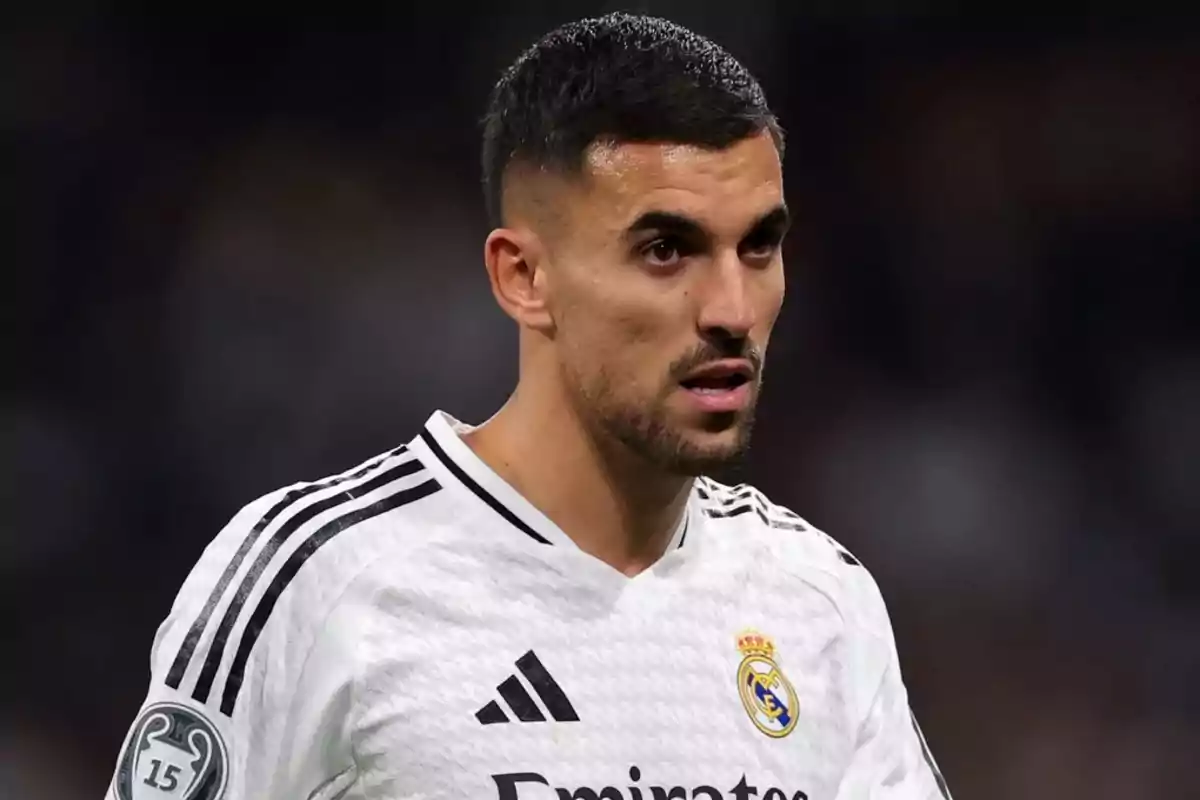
{"type": "Point", "coordinates": [776, 220]}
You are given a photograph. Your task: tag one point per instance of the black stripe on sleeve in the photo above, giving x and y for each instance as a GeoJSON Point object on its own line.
{"type": "Point", "coordinates": [295, 561]}
{"type": "Point", "coordinates": [482, 493]}
{"type": "Point", "coordinates": [734, 499]}
{"type": "Point", "coordinates": [216, 650]}
{"type": "Point", "coordinates": [731, 512]}
{"type": "Point", "coordinates": [192, 639]}
{"type": "Point", "coordinates": [547, 688]}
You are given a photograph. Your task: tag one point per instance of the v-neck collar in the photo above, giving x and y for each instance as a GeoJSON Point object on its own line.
{"type": "Point", "coordinates": [442, 437]}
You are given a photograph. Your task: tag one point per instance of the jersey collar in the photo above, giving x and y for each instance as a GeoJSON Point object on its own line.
{"type": "Point", "coordinates": [442, 438]}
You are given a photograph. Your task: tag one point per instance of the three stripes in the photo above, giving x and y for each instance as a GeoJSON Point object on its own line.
{"type": "Point", "coordinates": [290, 567]}
{"type": "Point", "coordinates": [519, 701]}
{"type": "Point", "coordinates": [746, 499]}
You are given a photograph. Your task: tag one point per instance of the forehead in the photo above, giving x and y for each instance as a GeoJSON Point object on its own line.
{"type": "Point", "coordinates": [724, 188]}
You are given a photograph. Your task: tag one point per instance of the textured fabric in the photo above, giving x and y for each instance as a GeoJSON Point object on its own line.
{"type": "Point", "coordinates": [413, 628]}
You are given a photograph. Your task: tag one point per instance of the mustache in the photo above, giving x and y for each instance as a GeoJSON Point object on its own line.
{"type": "Point", "coordinates": [709, 351]}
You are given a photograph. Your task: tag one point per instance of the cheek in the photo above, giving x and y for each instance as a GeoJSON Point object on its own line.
{"type": "Point", "coordinates": [618, 328]}
{"type": "Point", "coordinates": [622, 350]}
{"type": "Point", "coordinates": [603, 314]}
{"type": "Point", "coordinates": [629, 343]}
{"type": "Point", "coordinates": [636, 331]}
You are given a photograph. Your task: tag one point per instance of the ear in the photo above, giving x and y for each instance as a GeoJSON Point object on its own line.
{"type": "Point", "coordinates": [516, 262]}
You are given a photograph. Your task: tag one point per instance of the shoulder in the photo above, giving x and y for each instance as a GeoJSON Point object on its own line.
{"type": "Point", "coordinates": [747, 514]}
{"type": "Point", "coordinates": [274, 573]}
{"type": "Point", "coordinates": [299, 523]}
{"type": "Point", "coordinates": [753, 511]}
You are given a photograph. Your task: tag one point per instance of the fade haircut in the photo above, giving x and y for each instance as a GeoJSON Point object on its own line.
{"type": "Point", "coordinates": [620, 78]}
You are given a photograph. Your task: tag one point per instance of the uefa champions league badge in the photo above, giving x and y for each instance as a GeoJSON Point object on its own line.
{"type": "Point", "coordinates": [173, 752]}
{"type": "Point", "coordinates": [766, 693]}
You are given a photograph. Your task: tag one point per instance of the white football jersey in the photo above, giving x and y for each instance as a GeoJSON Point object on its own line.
{"type": "Point", "coordinates": [414, 628]}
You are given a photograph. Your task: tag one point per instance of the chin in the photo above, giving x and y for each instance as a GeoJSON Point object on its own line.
{"type": "Point", "coordinates": [705, 451]}
{"type": "Point", "coordinates": [727, 425]}
{"type": "Point", "coordinates": [708, 461]}
{"type": "Point", "coordinates": [684, 444]}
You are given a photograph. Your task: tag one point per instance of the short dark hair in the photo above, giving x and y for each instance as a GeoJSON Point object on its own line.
{"type": "Point", "coordinates": [619, 78]}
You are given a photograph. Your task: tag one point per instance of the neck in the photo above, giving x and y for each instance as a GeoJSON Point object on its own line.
{"type": "Point", "coordinates": [611, 503]}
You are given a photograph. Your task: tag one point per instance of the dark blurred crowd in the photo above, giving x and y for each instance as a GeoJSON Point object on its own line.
{"type": "Point", "coordinates": [243, 260]}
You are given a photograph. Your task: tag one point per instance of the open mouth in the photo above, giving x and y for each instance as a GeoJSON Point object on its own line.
{"type": "Point", "coordinates": [720, 387]}
{"type": "Point", "coordinates": [708, 384]}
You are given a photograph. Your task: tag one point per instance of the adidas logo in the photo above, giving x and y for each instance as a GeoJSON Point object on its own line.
{"type": "Point", "coordinates": [513, 693]}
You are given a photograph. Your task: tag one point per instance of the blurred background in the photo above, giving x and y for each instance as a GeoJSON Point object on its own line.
{"type": "Point", "coordinates": [242, 259]}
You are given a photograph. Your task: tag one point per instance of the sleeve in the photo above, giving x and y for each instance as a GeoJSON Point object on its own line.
{"type": "Point", "coordinates": [891, 760]}
{"type": "Point", "coordinates": [280, 735]}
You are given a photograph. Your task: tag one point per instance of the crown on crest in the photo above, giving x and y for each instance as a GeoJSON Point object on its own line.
{"type": "Point", "coordinates": [753, 643]}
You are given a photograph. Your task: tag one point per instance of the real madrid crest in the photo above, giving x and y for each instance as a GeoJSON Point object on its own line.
{"type": "Point", "coordinates": [766, 693]}
{"type": "Point", "coordinates": [173, 752]}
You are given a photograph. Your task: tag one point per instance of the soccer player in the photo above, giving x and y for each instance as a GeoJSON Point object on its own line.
{"type": "Point", "coordinates": [558, 603]}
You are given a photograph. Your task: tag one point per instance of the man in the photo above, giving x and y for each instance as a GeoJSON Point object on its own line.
{"type": "Point", "coordinates": [556, 603]}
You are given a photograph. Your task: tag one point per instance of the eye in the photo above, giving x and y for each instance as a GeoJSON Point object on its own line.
{"type": "Point", "coordinates": [761, 248]}
{"type": "Point", "coordinates": [663, 252]}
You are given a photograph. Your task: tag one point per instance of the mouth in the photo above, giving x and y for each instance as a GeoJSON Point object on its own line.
{"type": "Point", "coordinates": [720, 387]}
{"type": "Point", "coordinates": [721, 376]}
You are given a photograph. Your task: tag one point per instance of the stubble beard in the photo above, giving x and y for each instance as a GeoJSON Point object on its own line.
{"type": "Point", "coordinates": [645, 430]}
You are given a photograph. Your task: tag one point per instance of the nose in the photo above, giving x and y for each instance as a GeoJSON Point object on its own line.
{"type": "Point", "coordinates": [726, 310]}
